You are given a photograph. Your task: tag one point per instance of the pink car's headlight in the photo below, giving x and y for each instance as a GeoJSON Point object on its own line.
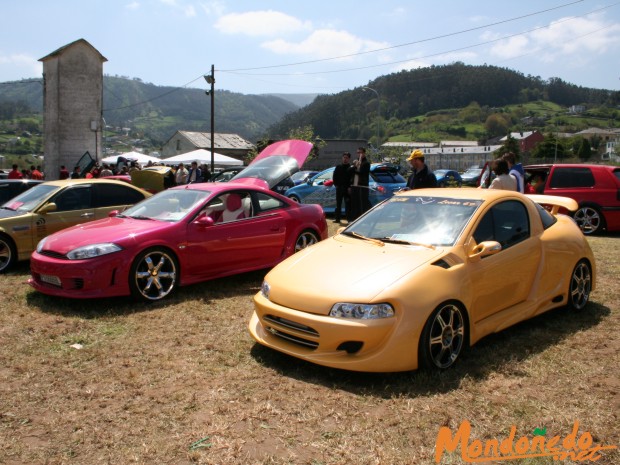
{"type": "Point", "coordinates": [92, 251]}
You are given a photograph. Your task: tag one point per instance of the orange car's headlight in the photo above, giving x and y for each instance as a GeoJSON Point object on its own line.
{"type": "Point", "coordinates": [265, 288]}
{"type": "Point", "coordinates": [361, 311]}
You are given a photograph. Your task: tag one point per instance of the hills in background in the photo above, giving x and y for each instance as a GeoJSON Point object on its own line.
{"type": "Point", "coordinates": [453, 101]}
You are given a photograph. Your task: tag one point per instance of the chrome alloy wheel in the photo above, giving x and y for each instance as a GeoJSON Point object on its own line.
{"type": "Point", "coordinates": [154, 274]}
{"type": "Point", "coordinates": [589, 220]}
{"type": "Point", "coordinates": [446, 335]}
{"type": "Point", "coordinates": [580, 286]}
{"type": "Point", "coordinates": [305, 239]}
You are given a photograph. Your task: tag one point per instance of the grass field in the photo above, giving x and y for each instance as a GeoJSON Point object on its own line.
{"type": "Point", "coordinates": [180, 382]}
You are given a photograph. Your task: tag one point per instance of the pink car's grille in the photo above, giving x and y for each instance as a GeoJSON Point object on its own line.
{"type": "Point", "coordinates": [52, 254]}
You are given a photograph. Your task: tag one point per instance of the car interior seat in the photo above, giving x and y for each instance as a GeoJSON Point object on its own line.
{"type": "Point", "coordinates": [234, 208]}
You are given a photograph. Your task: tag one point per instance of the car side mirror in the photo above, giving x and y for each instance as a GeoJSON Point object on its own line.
{"type": "Point", "coordinates": [328, 183]}
{"type": "Point", "coordinates": [484, 249]}
{"type": "Point", "coordinates": [48, 208]}
{"type": "Point", "coordinates": [204, 221]}
{"type": "Point", "coordinates": [113, 213]}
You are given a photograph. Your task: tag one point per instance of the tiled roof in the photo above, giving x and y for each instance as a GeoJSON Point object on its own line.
{"type": "Point", "coordinates": [222, 141]}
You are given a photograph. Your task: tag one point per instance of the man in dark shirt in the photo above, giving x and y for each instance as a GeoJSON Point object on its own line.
{"type": "Point", "coordinates": [342, 181]}
{"type": "Point", "coordinates": [360, 178]}
{"type": "Point", "coordinates": [422, 176]}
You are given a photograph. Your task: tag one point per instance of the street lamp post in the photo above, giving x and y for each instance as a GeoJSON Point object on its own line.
{"type": "Point", "coordinates": [365, 88]}
{"type": "Point", "coordinates": [210, 78]}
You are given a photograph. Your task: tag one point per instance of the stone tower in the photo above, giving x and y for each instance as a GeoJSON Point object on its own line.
{"type": "Point", "coordinates": [72, 105]}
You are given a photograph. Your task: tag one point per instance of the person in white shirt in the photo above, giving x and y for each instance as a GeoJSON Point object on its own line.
{"type": "Point", "coordinates": [502, 180]}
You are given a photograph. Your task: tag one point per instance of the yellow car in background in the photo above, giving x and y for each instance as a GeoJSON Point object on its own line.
{"type": "Point", "coordinates": [422, 276]}
{"type": "Point", "coordinates": [55, 205]}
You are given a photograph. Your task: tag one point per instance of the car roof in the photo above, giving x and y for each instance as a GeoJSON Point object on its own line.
{"type": "Point", "coordinates": [67, 182]}
{"type": "Point", "coordinates": [224, 186]}
{"type": "Point", "coordinates": [462, 193]}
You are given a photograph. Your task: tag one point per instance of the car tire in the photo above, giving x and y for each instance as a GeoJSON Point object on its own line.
{"type": "Point", "coordinates": [580, 286]}
{"type": "Point", "coordinates": [294, 198]}
{"type": "Point", "coordinates": [305, 239]}
{"type": "Point", "coordinates": [8, 253]}
{"type": "Point", "coordinates": [443, 337]}
{"type": "Point", "coordinates": [154, 274]}
{"type": "Point", "coordinates": [589, 219]}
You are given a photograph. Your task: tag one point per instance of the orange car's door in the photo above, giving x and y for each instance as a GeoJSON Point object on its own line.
{"type": "Point", "coordinates": [505, 279]}
{"type": "Point", "coordinates": [73, 206]}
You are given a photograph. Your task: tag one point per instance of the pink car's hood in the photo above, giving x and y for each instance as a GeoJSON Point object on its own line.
{"type": "Point", "coordinates": [122, 231]}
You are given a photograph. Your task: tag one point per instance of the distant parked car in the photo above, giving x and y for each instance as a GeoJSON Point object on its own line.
{"type": "Point", "coordinates": [51, 206]}
{"type": "Point", "coordinates": [471, 177]}
{"type": "Point", "coordinates": [226, 174]}
{"type": "Point", "coordinates": [303, 176]}
{"type": "Point", "coordinates": [9, 188]}
{"type": "Point", "coordinates": [448, 178]}
{"type": "Point", "coordinates": [596, 188]}
{"type": "Point", "coordinates": [384, 181]}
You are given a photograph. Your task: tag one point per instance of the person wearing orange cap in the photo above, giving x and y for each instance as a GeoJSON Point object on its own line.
{"type": "Point", "coordinates": [422, 176]}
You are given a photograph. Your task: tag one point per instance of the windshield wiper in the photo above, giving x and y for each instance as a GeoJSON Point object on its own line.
{"type": "Point", "coordinates": [140, 217]}
{"type": "Point", "coordinates": [370, 239]}
{"type": "Point", "coordinates": [402, 241]}
{"type": "Point", "coordinates": [8, 208]}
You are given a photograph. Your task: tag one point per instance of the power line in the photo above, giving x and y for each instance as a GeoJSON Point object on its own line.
{"type": "Point", "coordinates": [451, 34]}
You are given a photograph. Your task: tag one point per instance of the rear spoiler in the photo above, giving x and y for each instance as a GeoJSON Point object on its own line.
{"type": "Point", "coordinates": [555, 202]}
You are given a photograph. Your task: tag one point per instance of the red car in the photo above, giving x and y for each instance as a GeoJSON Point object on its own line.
{"type": "Point", "coordinates": [596, 188]}
{"type": "Point", "coordinates": [183, 235]}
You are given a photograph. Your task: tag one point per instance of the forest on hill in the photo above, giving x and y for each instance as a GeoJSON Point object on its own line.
{"type": "Point", "coordinates": [454, 101]}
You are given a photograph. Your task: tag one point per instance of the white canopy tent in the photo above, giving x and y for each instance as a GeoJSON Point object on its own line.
{"type": "Point", "coordinates": [141, 158]}
{"type": "Point", "coordinates": [203, 156]}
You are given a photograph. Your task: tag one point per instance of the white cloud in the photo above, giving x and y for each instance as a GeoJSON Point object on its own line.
{"type": "Point", "coordinates": [324, 43]}
{"type": "Point", "coordinates": [132, 6]}
{"type": "Point", "coordinates": [21, 66]}
{"type": "Point", "coordinates": [260, 23]}
{"type": "Point", "coordinates": [215, 7]}
{"type": "Point", "coordinates": [188, 10]}
{"type": "Point", "coordinates": [561, 40]}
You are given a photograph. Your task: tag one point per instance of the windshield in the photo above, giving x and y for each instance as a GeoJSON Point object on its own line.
{"type": "Point", "coordinates": [434, 221]}
{"type": "Point", "coordinates": [272, 169]}
{"type": "Point", "coordinates": [387, 175]}
{"type": "Point", "coordinates": [30, 199]}
{"type": "Point", "coordinates": [170, 205]}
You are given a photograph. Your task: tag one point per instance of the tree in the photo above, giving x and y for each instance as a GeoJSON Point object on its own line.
{"type": "Point", "coordinates": [510, 145]}
{"type": "Point", "coordinates": [497, 124]}
{"type": "Point", "coordinates": [585, 151]}
{"type": "Point", "coordinates": [550, 148]}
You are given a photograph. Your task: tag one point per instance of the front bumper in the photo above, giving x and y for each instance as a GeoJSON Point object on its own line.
{"type": "Point", "coordinates": [350, 344]}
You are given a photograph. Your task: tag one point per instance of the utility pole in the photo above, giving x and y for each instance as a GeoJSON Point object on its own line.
{"type": "Point", "coordinates": [210, 78]}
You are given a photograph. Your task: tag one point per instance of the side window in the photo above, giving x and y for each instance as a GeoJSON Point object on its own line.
{"type": "Point", "coordinates": [572, 177]}
{"type": "Point", "coordinates": [74, 198]}
{"type": "Point", "coordinates": [267, 202]}
{"type": "Point", "coordinates": [319, 180]}
{"type": "Point", "coordinates": [229, 207]}
{"type": "Point", "coordinates": [110, 195]}
{"type": "Point", "coordinates": [506, 223]}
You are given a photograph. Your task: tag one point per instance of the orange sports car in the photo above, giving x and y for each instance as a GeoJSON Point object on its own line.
{"type": "Point", "coordinates": [422, 276]}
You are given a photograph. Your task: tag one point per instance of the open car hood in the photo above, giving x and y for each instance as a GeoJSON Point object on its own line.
{"type": "Point", "coordinates": [86, 163]}
{"type": "Point", "coordinates": [277, 161]}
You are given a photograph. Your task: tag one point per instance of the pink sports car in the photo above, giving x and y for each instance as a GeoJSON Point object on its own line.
{"type": "Point", "coordinates": [184, 235]}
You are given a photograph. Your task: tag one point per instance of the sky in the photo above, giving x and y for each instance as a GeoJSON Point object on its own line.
{"type": "Point", "coordinates": [325, 47]}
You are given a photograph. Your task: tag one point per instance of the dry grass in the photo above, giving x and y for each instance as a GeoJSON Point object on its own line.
{"type": "Point", "coordinates": [182, 382]}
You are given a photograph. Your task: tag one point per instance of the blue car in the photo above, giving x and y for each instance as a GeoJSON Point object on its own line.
{"type": "Point", "coordinates": [448, 178]}
{"type": "Point", "coordinates": [384, 181]}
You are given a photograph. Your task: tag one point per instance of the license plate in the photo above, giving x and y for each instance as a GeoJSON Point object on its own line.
{"type": "Point", "coordinates": [54, 280]}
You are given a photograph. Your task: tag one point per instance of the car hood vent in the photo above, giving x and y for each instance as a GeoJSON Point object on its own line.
{"type": "Point", "coordinates": [448, 261]}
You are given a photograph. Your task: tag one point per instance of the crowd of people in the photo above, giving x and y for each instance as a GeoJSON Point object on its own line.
{"type": "Point", "coordinates": [35, 172]}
